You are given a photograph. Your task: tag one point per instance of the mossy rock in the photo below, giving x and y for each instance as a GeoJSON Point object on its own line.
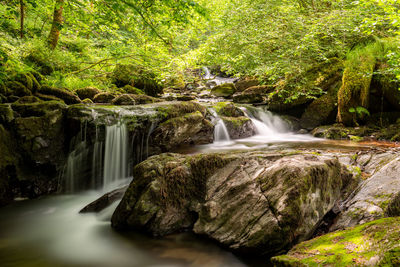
{"type": "Point", "coordinates": [228, 109]}
{"type": "Point", "coordinates": [320, 112]}
{"type": "Point", "coordinates": [375, 243]}
{"type": "Point", "coordinates": [224, 90]}
{"type": "Point", "coordinates": [125, 99]}
{"type": "Point", "coordinates": [88, 92]}
{"type": "Point", "coordinates": [239, 127]}
{"type": "Point", "coordinates": [104, 98]}
{"type": "Point", "coordinates": [128, 89]}
{"type": "Point", "coordinates": [18, 89]}
{"type": "Point", "coordinates": [253, 95]}
{"type": "Point", "coordinates": [28, 100]}
{"type": "Point", "coordinates": [87, 101]}
{"type": "Point", "coordinates": [355, 89]}
{"type": "Point", "coordinates": [178, 109]}
{"type": "Point", "coordinates": [48, 97]}
{"type": "Point", "coordinates": [6, 114]}
{"type": "Point", "coordinates": [244, 84]}
{"type": "Point", "coordinates": [185, 98]}
{"type": "Point", "coordinates": [37, 109]}
{"type": "Point", "coordinates": [128, 74]}
{"type": "Point", "coordinates": [190, 129]}
{"type": "Point", "coordinates": [67, 96]}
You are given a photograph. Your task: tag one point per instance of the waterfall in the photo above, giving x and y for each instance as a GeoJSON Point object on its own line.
{"type": "Point", "coordinates": [97, 161]}
{"type": "Point", "coordinates": [266, 123]}
{"type": "Point", "coordinates": [221, 133]}
{"type": "Point", "coordinates": [116, 154]}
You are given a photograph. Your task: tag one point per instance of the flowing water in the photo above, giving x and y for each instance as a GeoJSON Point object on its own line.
{"type": "Point", "coordinates": [216, 79]}
{"type": "Point", "coordinates": [51, 232]}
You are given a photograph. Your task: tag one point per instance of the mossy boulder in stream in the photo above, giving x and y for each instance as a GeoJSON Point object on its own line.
{"type": "Point", "coordinates": [243, 84]}
{"type": "Point", "coordinates": [228, 109]}
{"type": "Point", "coordinates": [224, 90]}
{"type": "Point", "coordinates": [103, 98]}
{"type": "Point", "coordinates": [375, 243]}
{"type": "Point", "coordinates": [190, 129]}
{"type": "Point", "coordinates": [252, 95]}
{"type": "Point", "coordinates": [252, 202]}
{"type": "Point", "coordinates": [133, 99]}
{"type": "Point", "coordinates": [239, 127]}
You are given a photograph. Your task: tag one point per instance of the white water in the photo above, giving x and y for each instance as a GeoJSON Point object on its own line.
{"type": "Point", "coordinates": [221, 134]}
{"type": "Point", "coordinates": [218, 80]}
{"type": "Point", "coordinates": [115, 155]}
{"type": "Point", "coordinates": [271, 131]}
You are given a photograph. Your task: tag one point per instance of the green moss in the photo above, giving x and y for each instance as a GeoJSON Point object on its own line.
{"type": "Point", "coordinates": [179, 109]}
{"type": "Point", "coordinates": [228, 109]}
{"type": "Point", "coordinates": [224, 90]}
{"type": "Point", "coordinates": [346, 248]}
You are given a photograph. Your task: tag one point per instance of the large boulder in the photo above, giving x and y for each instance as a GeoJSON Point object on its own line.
{"type": "Point", "coordinates": [371, 244]}
{"type": "Point", "coordinates": [252, 95]}
{"type": "Point", "coordinates": [239, 127]}
{"type": "Point", "coordinates": [104, 98]}
{"type": "Point", "coordinates": [224, 90]}
{"type": "Point", "coordinates": [88, 92]}
{"type": "Point", "coordinates": [190, 129]}
{"type": "Point", "coordinates": [321, 111]}
{"type": "Point", "coordinates": [228, 109]}
{"type": "Point", "coordinates": [242, 85]}
{"type": "Point", "coordinates": [67, 96]}
{"type": "Point", "coordinates": [254, 202]}
{"type": "Point", "coordinates": [375, 198]}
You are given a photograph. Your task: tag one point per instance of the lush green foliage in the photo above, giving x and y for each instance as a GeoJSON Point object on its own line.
{"type": "Point", "coordinates": [275, 40]}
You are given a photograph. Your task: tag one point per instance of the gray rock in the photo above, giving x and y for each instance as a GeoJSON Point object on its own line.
{"type": "Point", "coordinates": [254, 202]}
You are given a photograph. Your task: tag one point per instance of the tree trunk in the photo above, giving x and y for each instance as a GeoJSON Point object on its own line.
{"type": "Point", "coordinates": [56, 25]}
{"type": "Point", "coordinates": [22, 17]}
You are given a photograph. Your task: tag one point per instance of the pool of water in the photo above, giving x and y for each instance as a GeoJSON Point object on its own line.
{"type": "Point", "coordinates": [51, 232]}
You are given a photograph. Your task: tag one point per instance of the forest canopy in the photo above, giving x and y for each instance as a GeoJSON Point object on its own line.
{"type": "Point", "coordinates": [273, 40]}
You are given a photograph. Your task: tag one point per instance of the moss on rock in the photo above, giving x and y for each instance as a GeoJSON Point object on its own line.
{"type": "Point", "coordinates": [239, 127]}
{"type": "Point", "coordinates": [255, 94]}
{"type": "Point", "coordinates": [68, 97]}
{"type": "Point", "coordinates": [88, 92]}
{"type": "Point", "coordinates": [372, 244]}
{"type": "Point", "coordinates": [224, 90]}
{"type": "Point", "coordinates": [228, 109]}
{"type": "Point", "coordinates": [17, 89]}
{"type": "Point", "coordinates": [103, 98]}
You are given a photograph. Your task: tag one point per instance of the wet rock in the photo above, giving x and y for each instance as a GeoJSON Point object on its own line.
{"type": "Point", "coordinates": [28, 100]}
{"type": "Point", "coordinates": [68, 97]}
{"type": "Point", "coordinates": [185, 98]}
{"type": "Point", "coordinates": [104, 98]}
{"type": "Point", "coordinates": [252, 95]}
{"type": "Point", "coordinates": [242, 85]}
{"type": "Point", "coordinates": [88, 92]}
{"type": "Point", "coordinates": [339, 132]}
{"type": "Point", "coordinates": [105, 201]}
{"type": "Point", "coordinates": [239, 127]}
{"type": "Point", "coordinates": [224, 90]}
{"type": "Point", "coordinates": [190, 129]}
{"type": "Point", "coordinates": [372, 244]}
{"type": "Point", "coordinates": [374, 198]}
{"type": "Point", "coordinates": [48, 97]}
{"type": "Point", "coordinates": [228, 109]}
{"type": "Point", "coordinates": [254, 202]}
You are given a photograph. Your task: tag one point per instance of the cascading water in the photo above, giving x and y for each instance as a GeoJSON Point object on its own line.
{"type": "Point", "coordinates": [116, 154]}
{"type": "Point", "coordinates": [266, 123]}
{"type": "Point", "coordinates": [221, 133]}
